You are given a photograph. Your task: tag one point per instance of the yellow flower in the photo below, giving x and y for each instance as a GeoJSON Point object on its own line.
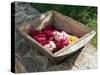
{"type": "Point", "coordinates": [71, 39]}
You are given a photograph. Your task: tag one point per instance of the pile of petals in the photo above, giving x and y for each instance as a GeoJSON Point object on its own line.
{"type": "Point", "coordinates": [52, 38]}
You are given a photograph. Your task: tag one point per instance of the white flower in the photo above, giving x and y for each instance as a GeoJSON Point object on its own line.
{"type": "Point", "coordinates": [58, 35]}
{"type": "Point", "coordinates": [64, 34]}
{"type": "Point", "coordinates": [50, 46]}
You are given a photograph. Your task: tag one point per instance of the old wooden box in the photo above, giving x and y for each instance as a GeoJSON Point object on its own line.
{"type": "Point", "coordinates": [63, 22]}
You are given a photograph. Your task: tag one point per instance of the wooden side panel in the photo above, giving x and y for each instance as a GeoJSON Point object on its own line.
{"type": "Point", "coordinates": [69, 25]}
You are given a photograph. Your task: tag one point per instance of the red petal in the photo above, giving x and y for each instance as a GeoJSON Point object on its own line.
{"type": "Point", "coordinates": [61, 43]}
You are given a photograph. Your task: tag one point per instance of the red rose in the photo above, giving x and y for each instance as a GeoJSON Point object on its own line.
{"type": "Point", "coordinates": [41, 40]}
{"type": "Point", "coordinates": [61, 43]}
{"type": "Point", "coordinates": [48, 30]}
{"type": "Point", "coordinates": [38, 36]}
{"type": "Point", "coordinates": [48, 33]}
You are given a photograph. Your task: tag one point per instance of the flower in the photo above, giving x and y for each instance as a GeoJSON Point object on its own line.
{"type": "Point", "coordinates": [61, 43]}
{"type": "Point", "coordinates": [72, 39]}
{"type": "Point", "coordinates": [50, 46]}
{"type": "Point", "coordinates": [60, 35]}
{"type": "Point", "coordinates": [52, 38]}
{"type": "Point", "coordinates": [38, 36]}
{"type": "Point", "coordinates": [48, 33]}
{"type": "Point", "coordinates": [64, 34]}
{"type": "Point", "coordinates": [48, 30]}
{"type": "Point", "coordinates": [57, 35]}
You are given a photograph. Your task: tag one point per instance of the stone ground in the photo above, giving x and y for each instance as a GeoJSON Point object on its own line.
{"type": "Point", "coordinates": [28, 60]}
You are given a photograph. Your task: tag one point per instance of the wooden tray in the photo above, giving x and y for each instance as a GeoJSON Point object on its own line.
{"type": "Point", "coordinates": [60, 21]}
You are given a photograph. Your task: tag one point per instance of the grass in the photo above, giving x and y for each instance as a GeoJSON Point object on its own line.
{"type": "Point", "coordinates": [85, 14]}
